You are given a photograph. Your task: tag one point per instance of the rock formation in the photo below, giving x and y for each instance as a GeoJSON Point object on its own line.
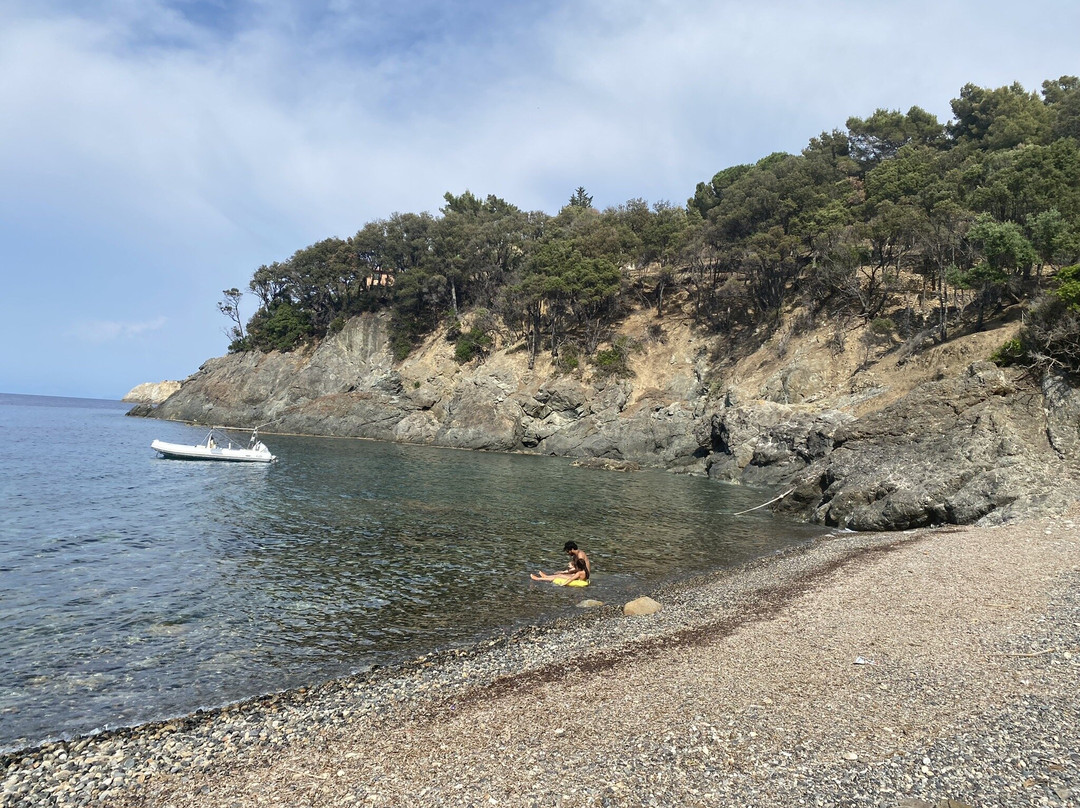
{"type": "Point", "coordinates": [870, 443]}
{"type": "Point", "coordinates": [151, 392]}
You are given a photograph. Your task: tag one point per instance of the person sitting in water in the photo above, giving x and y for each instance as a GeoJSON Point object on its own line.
{"type": "Point", "coordinates": [579, 569]}
{"type": "Point", "coordinates": [576, 556]}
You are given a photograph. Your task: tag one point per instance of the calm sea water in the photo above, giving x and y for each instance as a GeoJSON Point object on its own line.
{"type": "Point", "coordinates": [135, 588]}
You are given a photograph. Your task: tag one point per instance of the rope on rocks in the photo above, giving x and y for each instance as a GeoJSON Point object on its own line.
{"type": "Point", "coordinates": [763, 504]}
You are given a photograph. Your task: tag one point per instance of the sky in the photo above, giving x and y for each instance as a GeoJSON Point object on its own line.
{"type": "Point", "coordinates": [156, 152]}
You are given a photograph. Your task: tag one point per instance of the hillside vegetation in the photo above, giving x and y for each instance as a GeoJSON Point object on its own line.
{"type": "Point", "coordinates": [972, 215]}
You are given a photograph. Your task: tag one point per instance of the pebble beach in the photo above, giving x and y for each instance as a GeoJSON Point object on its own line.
{"type": "Point", "coordinates": [928, 668]}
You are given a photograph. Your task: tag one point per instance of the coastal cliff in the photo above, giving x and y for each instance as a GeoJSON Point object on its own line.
{"type": "Point", "coordinates": [821, 322]}
{"type": "Point", "coordinates": [869, 440]}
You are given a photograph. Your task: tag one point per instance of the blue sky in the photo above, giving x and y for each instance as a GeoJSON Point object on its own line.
{"type": "Point", "coordinates": [156, 152]}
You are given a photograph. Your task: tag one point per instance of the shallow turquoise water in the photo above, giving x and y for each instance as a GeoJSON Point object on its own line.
{"type": "Point", "coordinates": [134, 588]}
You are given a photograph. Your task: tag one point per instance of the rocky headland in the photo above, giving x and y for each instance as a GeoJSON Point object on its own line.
{"type": "Point", "coordinates": [867, 437]}
{"type": "Point", "coordinates": [900, 436]}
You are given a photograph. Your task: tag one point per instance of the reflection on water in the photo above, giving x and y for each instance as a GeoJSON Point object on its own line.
{"type": "Point", "coordinates": [136, 587]}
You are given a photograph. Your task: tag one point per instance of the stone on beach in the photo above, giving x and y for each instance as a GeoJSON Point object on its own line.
{"type": "Point", "coordinates": [641, 607]}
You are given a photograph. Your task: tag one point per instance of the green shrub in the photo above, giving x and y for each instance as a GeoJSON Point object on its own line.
{"type": "Point", "coordinates": [1068, 290]}
{"type": "Point", "coordinates": [281, 328]}
{"type": "Point", "coordinates": [569, 358]}
{"type": "Point", "coordinates": [1050, 338]}
{"type": "Point", "coordinates": [240, 345]}
{"type": "Point", "coordinates": [615, 361]}
{"type": "Point", "coordinates": [882, 327]}
{"type": "Point", "coordinates": [1011, 352]}
{"type": "Point", "coordinates": [470, 345]}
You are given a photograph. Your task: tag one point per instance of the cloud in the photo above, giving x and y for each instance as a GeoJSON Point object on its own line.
{"type": "Point", "coordinates": [155, 152]}
{"type": "Point", "coordinates": [282, 119]}
{"type": "Point", "coordinates": [98, 332]}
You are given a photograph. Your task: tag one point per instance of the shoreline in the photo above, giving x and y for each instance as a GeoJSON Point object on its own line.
{"type": "Point", "coordinates": [724, 667]}
{"type": "Point", "coordinates": [557, 622]}
{"type": "Point", "coordinates": [399, 661]}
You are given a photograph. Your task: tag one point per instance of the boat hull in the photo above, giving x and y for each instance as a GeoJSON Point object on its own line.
{"type": "Point", "coordinates": [180, 451]}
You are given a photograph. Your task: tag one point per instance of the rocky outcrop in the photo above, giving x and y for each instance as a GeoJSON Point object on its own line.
{"type": "Point", "coordinates": [765, 443]}
{"type": "Point", "coordinates": [349, 386]}
{"type": "Point", "coordinates": [345, 386]}
{"type": "Point", "coordinates": [977, 445]}
{"type": "Point", "coordinates": [983, 447]}
{"type": "Point", "coordinates": [152, 393]}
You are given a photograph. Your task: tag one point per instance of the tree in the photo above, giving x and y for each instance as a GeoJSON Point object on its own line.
{"type": "Point", "coordinates": [580, 198]}
{"type": "Point", "coordinates": [1062, 98]}
{"type": "Point", "coordinates": [281, 327]}
{"type": "Point", "coordinates": [941, 236]}
{"type": "Point", "coordinates": [999, 119]}
{"type": "Point", "coordinates": [884, 133]}
{"type": "Point", "coordinates": [1003, 244]}
{"type": "Point", "coordinates": [270, 283]}
{"type": "Point", "coordinates": [772, 265]}
{"type": "Point", "coordinates": [1051, 237]}
{"type": "Point", "coordinates": [476, 244]}
{"type": "Point", "coordinates": [708, 195]}
{"type": "Point", "coordinates": [321, 282]}
{"type": "Point", "coordinates": [1015, 183]}
{"type": "Point", "coordinates": [229, 305]}
{"type": "Point", "coordinates": [903, 179]}
{"type": "Point", "coordinates": [325, 281]}
{"type": "Point", "coordinates": [1005, 251]}
{"type": "Point", "coordinates": [563, 287]}
{"type": "Point", "coordinates": [663, 232]}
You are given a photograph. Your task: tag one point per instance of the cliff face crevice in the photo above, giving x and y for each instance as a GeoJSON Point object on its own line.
{"type": "Point", "coordinates": [938, 437]}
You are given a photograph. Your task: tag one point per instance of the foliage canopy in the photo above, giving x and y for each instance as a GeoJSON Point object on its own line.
{"type": "Point", "coordinates": [981, 206]}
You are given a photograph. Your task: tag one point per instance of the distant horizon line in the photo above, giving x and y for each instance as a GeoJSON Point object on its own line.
{"type": "Point", "coordinates": [118, 399]}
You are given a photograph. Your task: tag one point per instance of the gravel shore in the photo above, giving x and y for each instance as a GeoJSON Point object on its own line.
{"type": "Point", "coordinates": [901, 670]}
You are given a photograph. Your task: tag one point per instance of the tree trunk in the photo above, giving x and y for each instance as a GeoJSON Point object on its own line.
{"type": "Point", "coordinates": [943, 307]}
{"type": "Point", "coordinates": [534, 334]}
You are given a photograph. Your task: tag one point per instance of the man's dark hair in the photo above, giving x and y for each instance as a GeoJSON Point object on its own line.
{"type": "Point", "coordinates": [566, 548]}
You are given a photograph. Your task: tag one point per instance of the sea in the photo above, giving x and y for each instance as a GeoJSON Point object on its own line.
{"type": "Point", "coordinates": [135, 588]}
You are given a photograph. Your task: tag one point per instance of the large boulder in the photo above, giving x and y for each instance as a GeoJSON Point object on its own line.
{"type": "Point", "coordinates": [765, 443]}
{"type": "Point", "coordinates": [641, 607]}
